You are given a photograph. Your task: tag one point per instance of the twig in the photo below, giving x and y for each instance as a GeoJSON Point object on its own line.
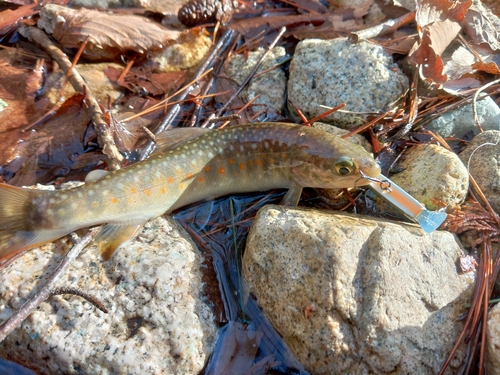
{"type": "Point", "coordinates": [78, 292]}
{"type": "Point", "coordinates": [44, 293]}
{"type": "Point", "coordinates": [175, 109]}
{"type": "Point", "coordinates": [221, 111]}
{"type": "Point", "coordinates": [106, 141]}
{"type": "Point", "coordinates": [384, 28]}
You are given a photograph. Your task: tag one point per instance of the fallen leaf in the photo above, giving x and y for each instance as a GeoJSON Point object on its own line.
{"type": "Point", "coordinates": [50, 149]}
{"type": "Point", "coordinates": [141, 80]}
{"type": "Point", "coordinates": [439, 22]}
{"type": "Point", "coordinates": [482, 26]}
{"type": "Point", "coordinates": [108, 35]}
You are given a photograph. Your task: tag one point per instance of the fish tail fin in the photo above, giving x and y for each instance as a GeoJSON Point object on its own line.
{"type": "Point", "coordinates": [17, 232]}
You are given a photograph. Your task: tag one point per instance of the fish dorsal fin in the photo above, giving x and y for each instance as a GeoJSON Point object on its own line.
{"type": "Point", "coordinates": [171, 138]}
{"type": "Point", "coordinates": [95, 175]}
{"type": "Point", "coordinates": [113, 236]}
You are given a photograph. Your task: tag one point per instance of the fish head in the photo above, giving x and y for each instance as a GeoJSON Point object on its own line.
{"type": "Point", "coordinates": [333, 163]}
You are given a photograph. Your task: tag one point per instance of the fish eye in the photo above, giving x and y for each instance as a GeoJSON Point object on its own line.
{"type": "Point", "coordinates": [344, 166]}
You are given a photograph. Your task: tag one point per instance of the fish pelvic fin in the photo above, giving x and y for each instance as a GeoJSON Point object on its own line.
{"type": "Point", "coordinates": [18, 230]}
{"type": "Point", "coordinates": [113, 236]}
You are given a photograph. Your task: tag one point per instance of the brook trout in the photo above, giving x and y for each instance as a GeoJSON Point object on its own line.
{"type": "Point", "coordinates": [202, 165]}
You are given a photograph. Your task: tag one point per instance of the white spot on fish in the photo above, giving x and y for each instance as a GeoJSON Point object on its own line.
{"type": "Point", "coordinates": [231, 147]}
{"type": "Point", "coordinates": [91, 192]}
{"type": "Point", "coordinates": [105, 192]}
{"type": "Point", "coordinates": [200, 153]}
{"type": "Point", "coordinates": [210, 154]}
{"type": "Point", "coordinates": [184, 156]}
{"type": "Point", "coordinates": [266, 145]}
{"type": "Point", "coordinates": [79, 194]}
{"type": "Point", "coordinates": [52, 200]}
{"type": "Point", "coordinates": [254, 146]}
{"type": "Point", "coordinates": [194, 162]}
{"type": "Point", "coordinates": [49, 211]}
{"type": "Point", "coordinates": [211, 143]}
{"type": "Point", "coordinates": [242, 148]}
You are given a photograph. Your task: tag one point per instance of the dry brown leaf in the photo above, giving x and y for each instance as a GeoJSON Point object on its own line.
{"type": "Point", "coordinates": [439, 22]}
{"type": "Point", "coordinates": [482, 26]}
{"type": "Point", "coordinates": [142, 80]}
{"type": "Point", "coordinates": [109, 35]}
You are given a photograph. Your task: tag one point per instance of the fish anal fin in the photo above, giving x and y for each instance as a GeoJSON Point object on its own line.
{"type": "Point", "coordinates": [292, 196]}
{"type": "Point", "coordinates": [169, 139]}
{"type": "Point", "coordinates": [113, 236]}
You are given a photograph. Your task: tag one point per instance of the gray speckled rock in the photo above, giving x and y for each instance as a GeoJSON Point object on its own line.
{"type": "Point", "coordinates": [157, 323]}
{"type": "Point", "coordinates": [485, 164]}
{"type": "Point", "coordinates": [458, 122]}
{"type": "Point", "coordinates": [493, 341]}
{"type": "Point", "coordinates": [331, 72]}
{"type": "Point", "coordinates": [352, 295]}
{"type": "Point", "coordinates": [271, 85]}
{"type": "Point", "coordinates": [433, 175]}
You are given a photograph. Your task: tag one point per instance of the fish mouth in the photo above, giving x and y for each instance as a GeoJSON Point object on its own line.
{"type": "Point", "coordinates": [369, 173]}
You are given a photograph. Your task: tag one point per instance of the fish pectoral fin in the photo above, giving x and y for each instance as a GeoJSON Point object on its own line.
{"type": "Point", "coordinates": [113, 236]}
{"type": "Point", "coordinates": [95, 175]}
{"type": "Point", "coordinates": [292, 196]}
{"type": "Point", "coordinates": [169, 139]}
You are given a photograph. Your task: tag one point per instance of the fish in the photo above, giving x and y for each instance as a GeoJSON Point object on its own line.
{"type": "Point", "coordinates": [195, 165]}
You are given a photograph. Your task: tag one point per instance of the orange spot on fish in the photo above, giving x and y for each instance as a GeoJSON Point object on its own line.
{"type": "Point", "coordinates": [201, 179]}
{"type": "Point", "coordinates": [231, 161]}
{"type": "Point", "coordinates": [250, 162]}
{"type": "Point", "coordinates": [189, 176]}
{"type": "Point", "coordinates": [147, 192]}
{"type": "Point", "coordinates": [207, 168]}
{"type": "Point", "coordinates": [164, 190]}
{"type": "Point", "coordinates": [242, 166]}
{"type": "Point", "coordinates": [271, 160]}
{"type": "Point", "coordinates": [221, 170]}
{"type": "Point", "coordinates": [170, 180]}
{"type": "Point", "coordinates": [181, 186]}
{"type": "Point", "coordinates": [259, 162]}
{"type": "Point", "coordinates": [283, 155]}
{"type": "Point", "coordinates": [95, 204]}
{"type": "Point", "coordinates": [133, 190]}
{"type": "Point", "coordinates": [114, 200]}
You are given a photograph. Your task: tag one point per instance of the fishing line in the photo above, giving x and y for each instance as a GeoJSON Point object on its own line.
{"type": "Point", "coordinates": [477, 148]}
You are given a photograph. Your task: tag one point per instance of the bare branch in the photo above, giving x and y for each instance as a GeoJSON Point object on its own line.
{"type": "Point", "coordinates": [45, 291]}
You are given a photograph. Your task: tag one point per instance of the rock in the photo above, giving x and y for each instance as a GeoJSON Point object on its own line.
{"type": "Point", "coordinates": [188, 52]}
{"type": "Point", "coordinates": [331, 72]}
{"type": "Point", "coordinates": [460, 121]}
{"type": "Point", "coordinates": [432, 175]}
{"type": "Point", "coordinates": [270, 85]}
{"type": "Point", "coordinates": [353, 295]}
{"type": "Point", "coordinates": [102, 87]}
{"type": "Point", "coordinates": [493, 341]}
{"type": "Point", "coordinates": [485, 164]}
{"type": "Point", "coordinates": [157, 322]}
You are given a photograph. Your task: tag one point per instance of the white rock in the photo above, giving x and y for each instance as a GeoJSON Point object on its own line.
{"type": "Point", "coordinates": [352, 295]}
{"type": "Point", "coordinates": [485, 164]}
{"type": "Point", "coordinates": [331, 72]}
{"type": "Point", "coordinates": [157, 321]}
{"type": "Point", "coordinates": [270, 85]}
{"type": "Point", "coordinates": [493, 341]}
